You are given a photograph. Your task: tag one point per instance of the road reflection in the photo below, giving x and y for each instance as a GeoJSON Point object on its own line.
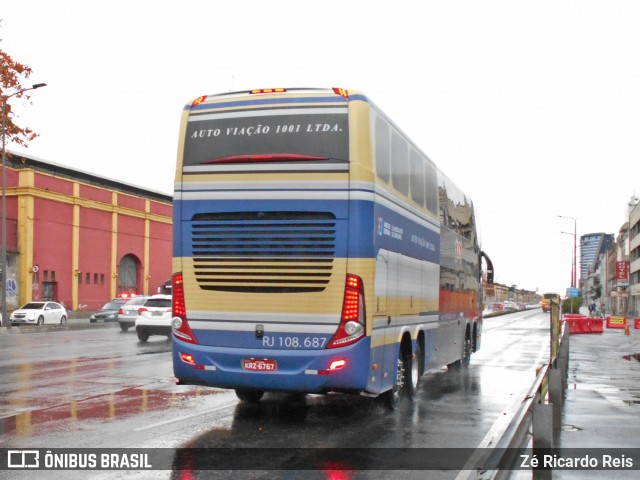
{"type": "Point", "coordinates": [58, 394]}
{"type": "Point", "coordinates": [101, 408]}
{"type": "Point", "coordinates": [330, 435]}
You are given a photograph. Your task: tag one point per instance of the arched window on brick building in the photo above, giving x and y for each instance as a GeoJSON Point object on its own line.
{"type": "Point", "coordinates": [129, 274]}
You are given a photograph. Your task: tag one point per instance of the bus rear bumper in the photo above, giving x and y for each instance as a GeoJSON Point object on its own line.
{"type": "Point", "coordinates": [307, 371]}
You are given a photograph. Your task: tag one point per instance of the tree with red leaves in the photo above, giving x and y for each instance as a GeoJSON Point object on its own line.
{"type": "Point", "coordinates": [12, 76]}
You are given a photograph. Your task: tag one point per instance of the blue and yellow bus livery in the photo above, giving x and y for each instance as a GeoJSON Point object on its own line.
{"type": "Point", "coordinates": [316, 249]}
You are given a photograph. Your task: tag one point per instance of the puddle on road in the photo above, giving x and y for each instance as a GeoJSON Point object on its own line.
{"type": "Point", "coordinates": [106, 407]}
{"type": "Point", "coordinates": [570, 428]}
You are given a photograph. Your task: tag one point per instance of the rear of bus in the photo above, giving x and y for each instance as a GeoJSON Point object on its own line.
{"type": "Point", "coordinates": [268, 286]}
{"type": "Point", "coordinates": [546, 300]}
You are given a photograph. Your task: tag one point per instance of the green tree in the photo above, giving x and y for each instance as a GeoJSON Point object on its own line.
{"type": "Point", "coordinates": [13, 74]}
{"type": "Point", "coordinates": [571, 305]}
{"type": "Point", "coordinates": [596, 290]}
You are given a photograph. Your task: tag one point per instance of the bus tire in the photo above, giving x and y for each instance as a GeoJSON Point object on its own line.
{"type": "Point", "coordinates": [465, 360]}
{"type": "Point", "coordinates": [466, 352]}
{"type": "Point", "coordinates": [248, 395]}
{"type": "Point", "coordinates": [392, 396]}
{"type": "Point", "coordinates": [413, 372]}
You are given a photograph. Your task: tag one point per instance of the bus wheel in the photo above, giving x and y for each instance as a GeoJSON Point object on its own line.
{"type": "Point", "coordinates": [413, 370]}
{"type": "Point", "coordinates": [466, 353]}
{"type": "Point", "coordinates": [466, 356]}
{"type": "Point", "coordinates": [392, 396]}
{"type": "Point", "coordinates": [248, 395]}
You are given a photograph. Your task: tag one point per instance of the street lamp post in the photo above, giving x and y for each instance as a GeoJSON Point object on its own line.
{"type": "Point", "coordinates": [574, 268]}
{"type": "Point", "coordinates": [3, 261]}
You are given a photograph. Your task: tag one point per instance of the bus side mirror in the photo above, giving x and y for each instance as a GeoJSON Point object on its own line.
{"type": "Point", "coordinates": [489, 266]}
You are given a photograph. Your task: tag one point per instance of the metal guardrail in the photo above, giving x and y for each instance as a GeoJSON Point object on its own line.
{"type": "Point", "coordinates": [539, 416]}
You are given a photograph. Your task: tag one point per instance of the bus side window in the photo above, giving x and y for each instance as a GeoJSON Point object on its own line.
{"type": "Point", "coordinates": [416, 177]}
{"type": "Point", "coordinates": [399, 163]}
{"type": "Point", "coordinates": [381, 139]}
{"type": "Point", "coordinates": [431, 187]}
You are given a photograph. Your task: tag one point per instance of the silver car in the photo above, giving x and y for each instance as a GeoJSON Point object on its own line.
{"type": "Point", "coordinates": [129, 311]}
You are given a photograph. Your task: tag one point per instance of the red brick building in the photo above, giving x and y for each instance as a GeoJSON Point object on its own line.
{"type": "Point", "coordinates": [81, 239]}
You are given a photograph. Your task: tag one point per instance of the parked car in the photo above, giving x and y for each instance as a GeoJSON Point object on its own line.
{"type": "Point", "coordinates": [154, 317]}
{"type": "Point", "coordinates": [510, 305]}
{"type": "Point", "coordinates": [129, 312]}
{"type": "Point", "coordinates": [492, 308]}
{"type": "Point", "coordinates": [109, 311]}
{"type": "Point", "coordinates": [39, 313]}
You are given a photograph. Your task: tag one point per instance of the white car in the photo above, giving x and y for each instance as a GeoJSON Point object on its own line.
{"type": "Point", "coordinates": [39, 313]}
{"type": "Point", "coordinates": [154, 317]}
{"type": "Point", "coordinates": [129, 312]}
{"type": "Point", "coordinates": [509, 305]}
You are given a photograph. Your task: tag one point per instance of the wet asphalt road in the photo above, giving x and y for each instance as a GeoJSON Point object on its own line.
{"type": "Point", "coordinates": [100, 387]}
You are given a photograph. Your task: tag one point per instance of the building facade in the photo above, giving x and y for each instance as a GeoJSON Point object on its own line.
{"type": "Point", "coordinates": [592, 245]}
{"type": "Point", "coordinates": [634, 256]}
{"type": "Point", "coordinates": [81, 239]}
{"type": "Point", "coordinates": [613, 279]}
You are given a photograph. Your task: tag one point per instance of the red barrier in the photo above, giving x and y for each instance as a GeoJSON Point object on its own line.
{"type": "Point", "coordinates": [616, 322]}
{"type": "Point", "coordinates": [597, 325]}
{"type": "Point", "coordinates": [636, 324]}
{"type": "Point", "coordinates": [583, 324]}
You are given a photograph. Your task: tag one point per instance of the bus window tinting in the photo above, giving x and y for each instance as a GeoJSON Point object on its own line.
{"type": "Point", "coordinates": [399, 163]}
{"type": "Point", "coordinates": [317, 134]}
{"type": "Point", "coordinates": [416, 176]}
{"type": "Point", "coordinates": [382, 149]}
{"type": "Point", "coordinates": [431, 187]}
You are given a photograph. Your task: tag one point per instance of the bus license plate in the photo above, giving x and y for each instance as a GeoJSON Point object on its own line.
{"type": "Point", "coordinates": [259, 365]}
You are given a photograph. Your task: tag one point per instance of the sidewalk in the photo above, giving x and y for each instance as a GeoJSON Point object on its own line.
{"type": "Point", "coordinates": [76, 321]}
{"type": "Point", "coordinates": [602, 404]}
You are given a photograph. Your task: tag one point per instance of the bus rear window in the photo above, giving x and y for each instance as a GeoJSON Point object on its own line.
{"type": "Point", "coordinates": [284, 137]}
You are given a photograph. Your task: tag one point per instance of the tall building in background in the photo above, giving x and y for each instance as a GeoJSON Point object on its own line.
{"type": "Point", "coordinates": [591, 246]}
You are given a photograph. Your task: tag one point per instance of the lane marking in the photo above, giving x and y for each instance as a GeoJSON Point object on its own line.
{"type": "Point", "coordinates": [185, 417]}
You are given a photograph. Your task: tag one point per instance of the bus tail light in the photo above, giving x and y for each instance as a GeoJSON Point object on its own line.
{"type": "Point", "coordinates": [338, 364]}
{"type": "Point", "coordinates": [342, 92]}
{"type": "Point", "coordinates": [334, 366]}
{"type": "Point", "coordinates": [179, 324]}
{"type": "Point", "coordinates": [187, 358]}
{"type": "Point", "coordinates": [352, 322]}
{"type": "Point", "coordinates": [198, 101]}
{"type": "Point", "coordinates": [257, 91]}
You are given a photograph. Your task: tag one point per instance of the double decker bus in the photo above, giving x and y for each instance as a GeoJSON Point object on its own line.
{"type": "Point", "coordinates": [316, 249]}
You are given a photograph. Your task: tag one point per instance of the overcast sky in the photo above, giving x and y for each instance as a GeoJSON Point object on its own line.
{"type": "Point", "coordinates": [531, 107]}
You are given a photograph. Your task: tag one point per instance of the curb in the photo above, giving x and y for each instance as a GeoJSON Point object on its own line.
{"type": "Point", "coordinates": [54, 328]}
